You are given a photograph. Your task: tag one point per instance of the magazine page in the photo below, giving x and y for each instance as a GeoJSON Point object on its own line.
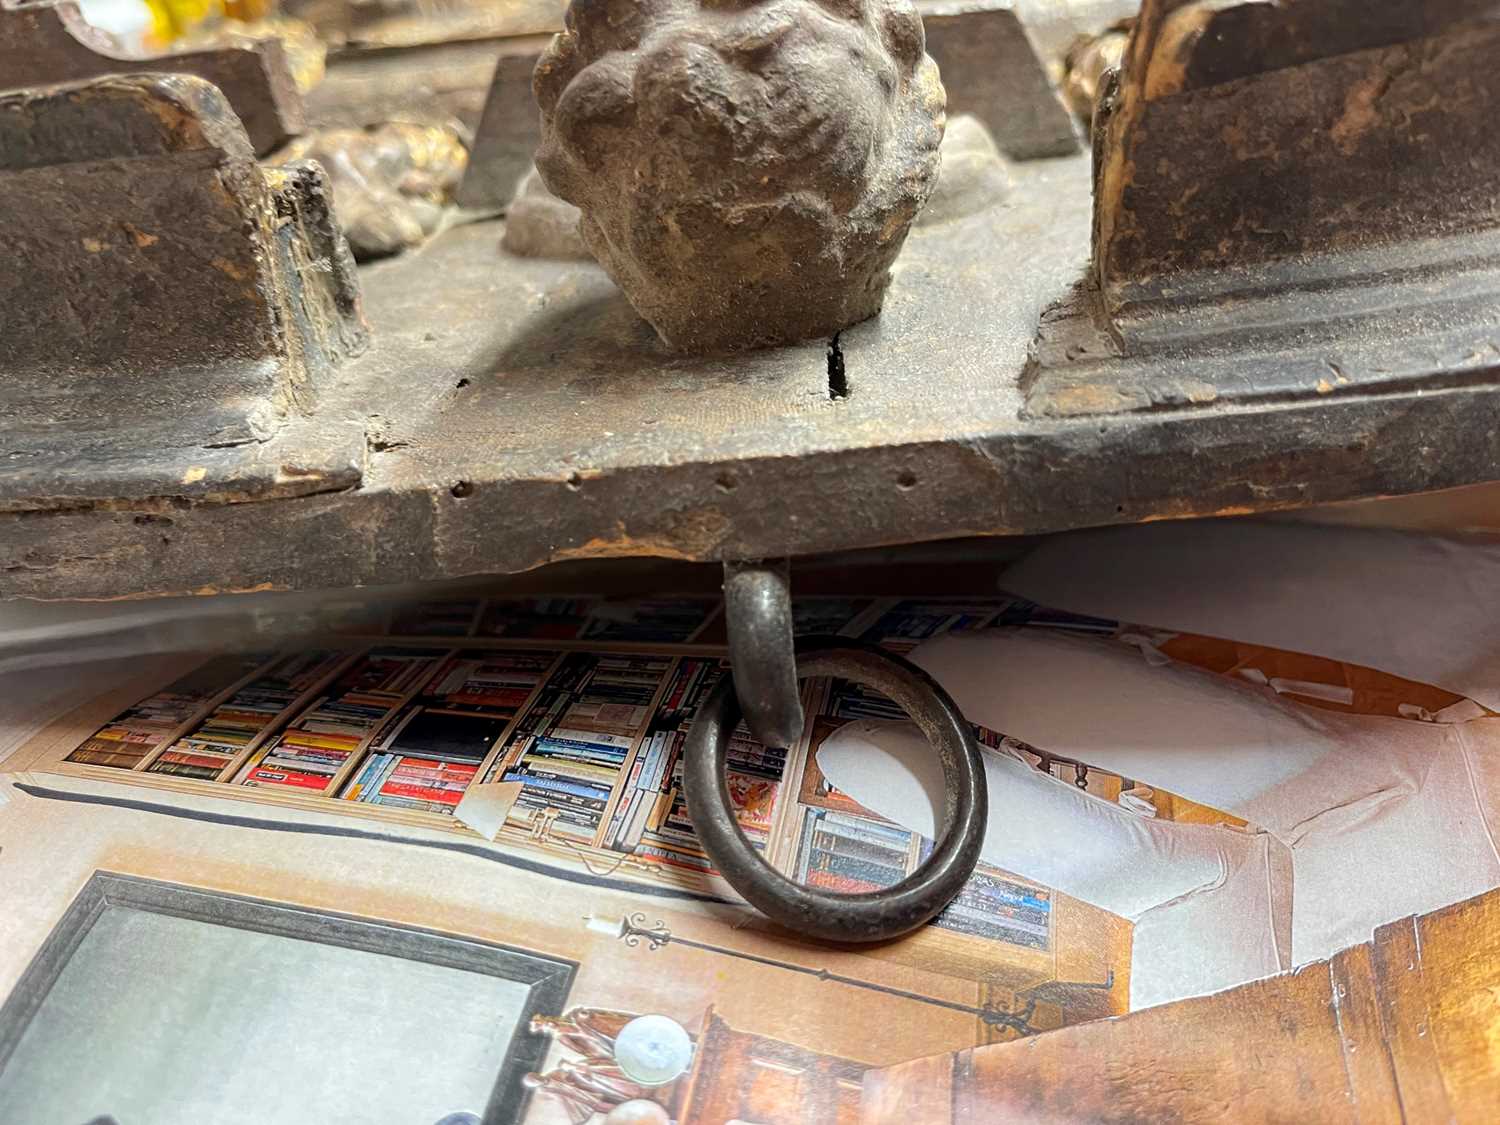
{"type": "Point", "coordinates": [359, 774]}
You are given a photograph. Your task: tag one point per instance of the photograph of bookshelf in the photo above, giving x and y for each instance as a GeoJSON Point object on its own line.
{"type": "Point", "coordinates": [669, 620]}
{"type": "Point", "coordinates": [432, 750]}
{"type": "Point", "coordinates": [325, 737]}
{"type": "Point", "coordinates": [570, 747]}
{"type": "Point", "coordinates": [592, 730]}
{"type": "Point", "coordinates": [447, 618]}
{"type": "Point", "coordinates": [650, 821]}
{"type": "Point", "coordinates": [209, 747]}
{"type": "Point", "coordinates": [136, 733]}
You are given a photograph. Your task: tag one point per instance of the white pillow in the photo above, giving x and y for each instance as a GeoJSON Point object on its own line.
{"type": "Point", "coordinates": [1383, 816]}
{"type": "Point", "coordinates": [1210, 903]}
{"type": "Point", "coordinates": [1419, 606]}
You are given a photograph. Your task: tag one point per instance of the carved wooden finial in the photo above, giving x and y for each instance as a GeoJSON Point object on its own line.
{"type": "Point", "coordinates": [747, 169]}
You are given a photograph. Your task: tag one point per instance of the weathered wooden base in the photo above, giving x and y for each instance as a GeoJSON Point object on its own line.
{"type": "Point", "coordinates": [514, 412]}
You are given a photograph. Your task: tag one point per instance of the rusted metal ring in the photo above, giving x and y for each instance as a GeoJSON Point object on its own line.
{"type": "Point", "coordinates": [873, 915]}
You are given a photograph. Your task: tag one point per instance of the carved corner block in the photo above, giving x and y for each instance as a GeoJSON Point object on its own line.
{"type": "Point", "coordinates": [1253, 136]}
{"type": "Point", "coordinates": [1292, 201]}
{"type": "Point", "coordinates": [160, 278]}
{"type": "Point", "coordinates": [991, 69]}
{"type": "Point", "coordinates": [49, 41]}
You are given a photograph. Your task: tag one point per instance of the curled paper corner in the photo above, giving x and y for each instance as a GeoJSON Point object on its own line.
{"type": "Point", "coordinates": [1330, 693]}
{"type": "Point", "coordinates": [484, 807]}
{"type": "Point", "coordinates": [1460, 712]}
{"type": "Point", "coordinates": [1147, 646]}
{"type": "Point", "coordinates": [1137, 799]}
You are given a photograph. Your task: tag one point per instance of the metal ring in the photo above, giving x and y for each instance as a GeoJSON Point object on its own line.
{"type": "Point", "coordinates": [758, 613]}
{"type": "Point", "coordinates": [872, 915]}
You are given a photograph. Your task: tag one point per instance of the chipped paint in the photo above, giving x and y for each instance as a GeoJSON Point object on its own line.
{"type": "Point", "coordinates": [1090, 398]}
{"type": "Point", "coordinates": [239, 273]}
{"type": "Point", "coordinates": [1360, 114]}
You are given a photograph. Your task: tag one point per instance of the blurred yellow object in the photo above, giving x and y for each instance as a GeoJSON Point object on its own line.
{"type": "Point", "coordinates": [172, 19]}
{"type": "Point", "coordinates": [248, 11]}
{"type": "Point", "coordinates": [305, 52]}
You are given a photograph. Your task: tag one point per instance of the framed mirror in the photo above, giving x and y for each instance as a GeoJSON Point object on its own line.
{"type": "Point", "coordinates": [158, 1004]}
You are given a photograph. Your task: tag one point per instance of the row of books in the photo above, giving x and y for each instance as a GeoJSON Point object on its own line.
{"type": "Point", "coordinates": [127, 739]}
{"type": "Point", "coordinates": [851, 854]}
{"type": "Point", "coordinates": [427, 758]}
{"type": "Point", "coordinates": [651, 819]}
{"type": "Point", "coordinates": [848, 700]}
{"type": "Point", "coordinates": [494, 683]}
{"type": "Point", "coordinates": [647, 791]}
{"type": "Point", "coordinates": [569, 748]}
{"type": "Point", "coordinates": [318, 744]}
{"type": "Point", "coordinates": [206, 750]}
{"type": "Point", "coordinates": [408, 782]}
{"type": "Point", "coordinates": [669, 620]}
{"type": "Point", "coordinates": [996, 908]}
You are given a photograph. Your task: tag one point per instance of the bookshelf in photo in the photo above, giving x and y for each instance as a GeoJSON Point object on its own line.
{"type": "Point", "coordinates": [431, 751]}
{"type": "Point", "coordinates": [589, 712]}
{"type": "Point", "coordinates": [138, 731]}
{"type": "Point", "coordinates": [556, 619]}
{"type": "Point", "coordinates": [453, 617]}
{"type": "Point", "coordinates": [236, 724]}
{"type": "Point", "coordinates": [664, 620]}
{"type": "Point", "coordinates": [650, 820]}
{"type": "Point", "coordinates": [320, 741]}
{"type": "Point", "coordinates": [570, 746]}
{"type": "Point", "coordinates": [593, 731]}
{"type": "Point", "coordinates": [649, 620]}
{"type": "Point", "coordinates": [828, 615]}
{"type": "Point", "coordinates": [851, 854]}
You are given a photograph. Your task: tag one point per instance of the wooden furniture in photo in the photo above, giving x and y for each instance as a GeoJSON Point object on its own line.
{"type": "Point", "coordinates": [738, 1076]}
{"type": "Point", "coordinates": [1405, 1028]}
